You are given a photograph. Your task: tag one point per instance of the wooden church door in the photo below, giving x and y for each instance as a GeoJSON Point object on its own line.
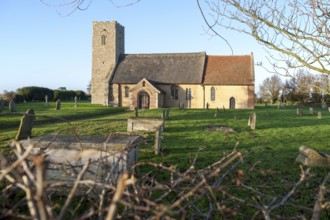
{"type": "Point", "coordinates": [143, 100]}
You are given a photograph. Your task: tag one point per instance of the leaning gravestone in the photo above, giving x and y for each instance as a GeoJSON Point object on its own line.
{"type": "Point", "coordinates": [58, 104]}
{"type": "Point", "coordinates": [25, 128]}
{"type": "Point", "coordinates": [12, 106]}
{"type": "Point", "coordinates": [310, 157]}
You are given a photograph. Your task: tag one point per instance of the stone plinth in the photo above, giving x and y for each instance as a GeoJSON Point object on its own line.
{"type": "Point", "coordinates": [145, 124]}
{"type": "Point", "coordinates": [66, 155]}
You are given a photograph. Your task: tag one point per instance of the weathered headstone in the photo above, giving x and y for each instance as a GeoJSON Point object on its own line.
{"type": "Point", "coordinates": [157, 141]}
{"type": "Point", "coordinates": [25, 128]}
{"type": "Point", "coordinates": [164, 114]}
{"type": "Point", "coordinates": [310, 157]}
{"type": "Point", "coordinates": [324, 105]}
{"type": "Point", "coordinates": [167, 116]}
{"type": "Point", "coordinates": [12, 106]}
{"type": "Point", "coordinates": [136, 112]}
{"type": "Point", "coordinates": [311, 111]}
{"type": "Point", "coordinates": [58, 104]}
{"type": "Point", "coordinates": [75, 101]}
{"type": "Point", "coordinates": [300, 112]}
{"type": "Point", "coordinates": [215, 113]}
{"type": "Point", "coordinates": [46, 100]}
{"type": "Point", "coordinates": [328, 109]}
{"type": "Point", "coordinates": [319, 115]}
{"type": "Point", "coordinates": [252, 120]}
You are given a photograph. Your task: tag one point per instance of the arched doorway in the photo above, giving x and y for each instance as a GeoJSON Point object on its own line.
{"type": "Point", "coordinates": [143, 100]}
{"type": "Point", "coordinates": [232, 103]}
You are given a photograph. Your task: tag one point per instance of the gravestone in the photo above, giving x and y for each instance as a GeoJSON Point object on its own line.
{"type": "Point", "coordinates": [58, 104]}
{"type": "Point", "coordinates": [310, 157]}
{"type": "Point", "coordinates": [164, 114]}
{"type": "Point", "coordinates": [252, 120]}
{"type": "Point", "coordinates": [25, 128]}
{"type": "Point", "coordinates": [76, 101]}
{"type": "Point", "coordinates": [328, 109]}
{"type": "Point", "coordinates": [46, 100]}
{"type": "Point", "coordinates": [136, 112]}
{"type": "Point", "coordinates": [311, 111]}
{"type": "Point", "coordinates": [2, 104]}
{"type": "Point", "coordinates": [215, 113]}
{"type": "Point", "coordinates": [157, 141]}
{"type": "Point", "coordinates": [324, 105]}
{"type": "Point", "coordinates": [12, 106]}
{"type": "Point", "coordinates": [167, 116]}
{"type": "Point", "coordinates": [299, 112]}
{"type": "Point", "coordinates": [319, 115]}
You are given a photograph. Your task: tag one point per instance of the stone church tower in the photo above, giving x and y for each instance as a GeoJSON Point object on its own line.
{"type": "Point", "coordinates": [107, 45]}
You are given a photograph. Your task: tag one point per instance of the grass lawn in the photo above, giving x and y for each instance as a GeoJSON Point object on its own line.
{"type": "Point", "coordinates": [275, 142]}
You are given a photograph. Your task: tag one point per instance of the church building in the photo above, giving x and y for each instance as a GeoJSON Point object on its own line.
{"type": "Point", "coordinates": [165, 80]}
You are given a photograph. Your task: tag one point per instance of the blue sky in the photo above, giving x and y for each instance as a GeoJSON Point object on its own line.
{"type": "Point", "coordinates": [38, 47]}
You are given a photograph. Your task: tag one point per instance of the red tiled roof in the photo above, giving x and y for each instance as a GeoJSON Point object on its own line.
{"type": "Point", "coordinates": [229, 70]}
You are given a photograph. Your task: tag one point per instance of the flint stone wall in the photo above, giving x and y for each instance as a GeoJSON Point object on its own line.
{"type": "Point", "coordinates": [66, 155]}
{"type": "Point", "coordinates": [145, 124]}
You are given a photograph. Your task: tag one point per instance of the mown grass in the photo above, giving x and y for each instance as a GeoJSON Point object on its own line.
{"type": "Point", "coordinates": [271, 168]}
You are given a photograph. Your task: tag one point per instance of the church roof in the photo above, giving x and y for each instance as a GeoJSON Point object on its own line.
{"type": "Point", "coordinates": [171, 68]}
{"type": "Point", "coordinates": [229, 70]}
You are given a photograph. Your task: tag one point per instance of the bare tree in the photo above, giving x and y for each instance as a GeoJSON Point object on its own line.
{"type": "Point", "coordinates": [297, 30]}
{"type": "Point", "coordinates": [270, 88]}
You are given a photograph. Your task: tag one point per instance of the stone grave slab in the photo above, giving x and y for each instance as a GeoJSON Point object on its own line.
{"type": "Point", "coordinates": [66, 155]}
{"type": "Point", "coordinates": [145, 124]}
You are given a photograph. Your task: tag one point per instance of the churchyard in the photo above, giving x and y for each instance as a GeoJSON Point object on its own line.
{"type": "Point", "coordinates": [193, 139]}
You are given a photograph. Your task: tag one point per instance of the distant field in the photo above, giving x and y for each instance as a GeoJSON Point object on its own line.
{"type": "Point", "coordinates": [271, 168]}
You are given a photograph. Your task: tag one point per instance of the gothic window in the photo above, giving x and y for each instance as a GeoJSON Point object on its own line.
{"type": "Point", "coordinates": [103, 37]}
{"type": "Point", "coordinates": [175, 92]}
{"type": "Point", "coordinates": [188, 94]}
{"type": "Point", "coordinates": [126, 91]}
{"type": "Point", "coordinates": [212, 93]}
{"type": "Point", "coordinates": [143, 84]}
